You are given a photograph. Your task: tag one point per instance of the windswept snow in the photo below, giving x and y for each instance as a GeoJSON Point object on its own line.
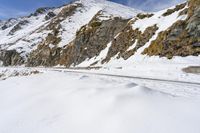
{"type": "Point", "coordinates": [76, 103]}
{"type": "Point", "coordinates": [163, 22]}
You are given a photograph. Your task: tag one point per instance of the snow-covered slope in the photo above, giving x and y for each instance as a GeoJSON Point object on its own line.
{"type": "Point", "coordinates": [32, 30]}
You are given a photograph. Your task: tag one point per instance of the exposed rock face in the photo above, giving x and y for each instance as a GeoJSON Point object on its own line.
{"type": "Point", "coordinates": [90, 40]}
{"type": "Point", "coordinates": [177, 8]}
{"type": "Point", "coordinates": [93, 38]}
{"type": "Point", "coordinates": [144, 15]}
{"type": "Point", "coordinates": [182, 38]}
{"type": "Point", "coordinates": [47, 53]}
{"type": "Point", "coordinates": [8, 23]}
{"type": "Point", "coordinates": [128, 37]}
{"type": "Point", "coordinates": [10, 58]}
{"type": "Point", "coordinates": [44, 56]}
{"type": "Point", "coordinates": [50, 15]}
{"type": "Point", "coordinates": [40, 11]}
{"type": "Point", "coordinates": [18, 27]}
{"type": "Point", "coordinates": [193, 23]}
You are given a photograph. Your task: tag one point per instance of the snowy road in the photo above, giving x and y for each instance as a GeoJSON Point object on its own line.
{"type": "Point", "coordinates": [129, 77]}
{"type": "Point", "coordinates": [74, 102]}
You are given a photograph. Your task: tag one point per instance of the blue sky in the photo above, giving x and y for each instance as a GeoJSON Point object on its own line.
{"type": "Point", "coordinates": [13, 8]}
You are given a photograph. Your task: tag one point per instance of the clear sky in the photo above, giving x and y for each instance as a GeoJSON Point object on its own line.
{"type": "Point", "coordinates": [14, 8]}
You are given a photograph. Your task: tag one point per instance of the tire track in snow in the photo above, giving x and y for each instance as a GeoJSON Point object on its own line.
{"type": "Point", "coordinates": [128, 77]}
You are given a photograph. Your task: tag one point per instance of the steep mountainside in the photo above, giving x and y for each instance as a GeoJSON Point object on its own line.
{"type": "Point", "coordinates": [89, 33]}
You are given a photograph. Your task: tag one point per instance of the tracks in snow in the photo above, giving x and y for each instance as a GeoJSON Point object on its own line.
{"type": "Point", "coordinates": [128, 77]}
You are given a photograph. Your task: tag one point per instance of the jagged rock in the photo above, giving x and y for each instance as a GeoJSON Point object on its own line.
{"type": "Point", "coordinates": [40, 11]}
{"type": "Point", "coordinates": [177, 8]}
{"type": "Point", "coordinates": [193, 25]}
{"type": "Point", "coordinates": [50, 15]}
{"type": "Point", "coordinates": [18, 26]}
{"type": "Point", "coordinates": [144, 15]}
{"type": "Point", "coordinates": [69, 10]}
{"type": "Point", "coordinates": [8, 23]}
{"type": "Point", "coordinates": [44, 55]}
{"type": "Point", "coordinates": [89, 42]}
{"type": "Point", "coordinates": [93, 38]}
{"type": "Point", "coordinates": [10, 58]}
{"type": "Point", "coordinates": [4, 27]}
{"type": "Point", "coordinates": [182, 38]}
{"type": "Point", "coordinates": [184, 12]}
{"type": "Point", "coordinates": [126, 38]}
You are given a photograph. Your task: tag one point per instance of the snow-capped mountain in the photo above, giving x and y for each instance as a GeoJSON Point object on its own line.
{"type": "Point", "coordinates": [93, 33]}
{"type": "Point", "coordinates": [25, 34]}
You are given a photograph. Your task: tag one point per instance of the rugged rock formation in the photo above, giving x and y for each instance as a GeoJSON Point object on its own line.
{"type": "Point", "coordinates": [90, 40]}
{"type": "Point", "coordinates": [177, 8]}
{"type": "Point", "coordinates": [144, 15]}
{"type": "Point", "coordinates": [129, 37]}
{"type": "Point", "coordinates": [10, 57]}
{"type": "Point", "coordinates": [93, 38]}
{"type": "Point", "coordinates": [18, 27]}
{"type": "Point", "coordinates": [8, 23]}
{"type": "Point", "coordinates": [39, 11]}
{"type": "Point", "coordinates": [182, 38]}
{"type": "Point", "coordinates": [50, 15]}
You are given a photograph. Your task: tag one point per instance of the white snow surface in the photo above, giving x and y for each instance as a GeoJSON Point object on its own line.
{"type": "Point", "coordinates": [58, 102]}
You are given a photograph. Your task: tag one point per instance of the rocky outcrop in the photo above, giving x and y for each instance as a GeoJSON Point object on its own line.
{"type": "Point", "coordinates": [127, 38]}
{"type": "Point", "coordinates": [18, 26]}
{"type": "Point", "coordinates": [10, 58]}
{"type": "Point", "coordinates": [39, 11]}
{"type": "Point", "coordinates": [144, 15]}
{"type": "Point", "coordinates": [182, 38]}
{"type": "Point", "coordinates": [90, 40]}
{"type": "Point", "coordinates": [50, 15]}
{"type": "Point", "coordinates": [176, 8]}
{"type": "Point", "coordinates": [9, 23]}
{"type": "Point", "coordinates": [44, 56]}
{"type": "Point", "coordinates": [93, 38]}
{"type": "Point", "coordinates": [48, 53]}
